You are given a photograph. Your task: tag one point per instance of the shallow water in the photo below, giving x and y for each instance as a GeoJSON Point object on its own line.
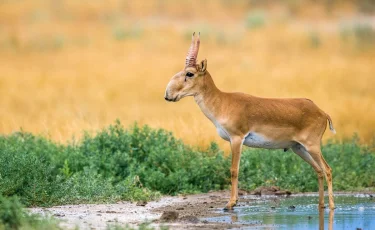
{"type": "Point", "coordinates": [352, 212]}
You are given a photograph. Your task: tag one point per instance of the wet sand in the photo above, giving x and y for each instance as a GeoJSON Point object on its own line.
{"type": "Point", "coordinates": [180, 212]}
{"type": "Point", "coordinates": [190, 210]}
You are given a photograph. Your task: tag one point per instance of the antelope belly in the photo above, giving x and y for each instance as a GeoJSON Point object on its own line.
{"type": "Point", "coordinates": [222, 133]}
{"type": "Point", "coordinates": [256, 140]}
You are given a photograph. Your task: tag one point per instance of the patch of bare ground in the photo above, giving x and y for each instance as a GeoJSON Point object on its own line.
{"type": "Point", "coordinates": [179, 212]}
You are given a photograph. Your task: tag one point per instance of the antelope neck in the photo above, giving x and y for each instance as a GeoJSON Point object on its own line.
{"type": "Point", "coordinates": [209, 98]}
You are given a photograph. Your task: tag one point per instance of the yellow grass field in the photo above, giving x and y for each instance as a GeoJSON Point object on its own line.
{"type": "Point", "coordinates": [66, 67]}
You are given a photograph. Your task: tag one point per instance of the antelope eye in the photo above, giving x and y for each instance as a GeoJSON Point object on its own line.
{"type": "Point", "coordinates": [188, 74]}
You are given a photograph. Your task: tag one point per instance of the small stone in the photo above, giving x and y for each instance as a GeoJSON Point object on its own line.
{"type": "Point", "coordinates": [280, 193]}
{"type": "Point", "coordinates": [110, 211]}
{"type": "Point", "coordinates": [242, 192]}
{"type": "Point", "coordinates": [59, 214]}
{"type": "Point", "coordinates": [190, 219]}
{"type": "Point", "coordinates": [141, 203]}
{"type": "Point", "coordinates": [169, 216]}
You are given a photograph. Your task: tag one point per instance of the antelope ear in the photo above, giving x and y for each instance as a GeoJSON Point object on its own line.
{"type": "Point", "coordinates": [203, 65]}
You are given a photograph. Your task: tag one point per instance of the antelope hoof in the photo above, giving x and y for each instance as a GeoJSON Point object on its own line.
{"type": "Point", "coordinates": [229, 206]}
{"type": "Point", "coordinates": [322, 206]}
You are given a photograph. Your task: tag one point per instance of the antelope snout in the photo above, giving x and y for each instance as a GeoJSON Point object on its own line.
{"type": "Point", "coordinates": [167, 99]}
{"type": "Point", "coordinates": [170, 98]}
{"type": "Point", "coordinates": [166, 96]}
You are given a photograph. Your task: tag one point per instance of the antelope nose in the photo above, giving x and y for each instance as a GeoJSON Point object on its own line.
{"type": "Point", "coordinates": [166, 96]}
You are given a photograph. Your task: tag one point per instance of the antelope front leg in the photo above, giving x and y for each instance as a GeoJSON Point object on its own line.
{"type": "Point", "coordinates": [236, 145]}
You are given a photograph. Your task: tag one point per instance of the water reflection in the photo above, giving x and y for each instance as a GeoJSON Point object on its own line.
{"type": "Point", "coordinates": [301, 212]}
{"type": "Point", "coordinates": [234, 218]}
{"type": "Point", "coordinates": [330, 219]}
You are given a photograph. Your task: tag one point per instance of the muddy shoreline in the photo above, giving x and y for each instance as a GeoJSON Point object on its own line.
{"type": "Point", "coordinates": [180, 212]}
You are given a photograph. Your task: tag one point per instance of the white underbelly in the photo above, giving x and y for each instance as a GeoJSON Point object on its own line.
{"type": "Point", "coordinates": [256, 140]}
{"type": "Point", "coordinates": [222, 133]}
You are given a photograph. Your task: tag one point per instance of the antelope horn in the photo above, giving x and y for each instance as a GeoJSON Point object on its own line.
{"type": "Point", "coordinates": [192, 54]}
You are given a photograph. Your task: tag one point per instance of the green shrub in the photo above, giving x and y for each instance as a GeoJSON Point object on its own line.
{"type": "Point", "coordinates": [26, 167]}
{"type": "Point", "coordinates": [255, 19]}
{"type": "Point", "coordinates": [102, 168]}
{"type": "Point", "coordinates": [161, 162]}
{"type": "Point", "coordinates": [141, 163]}
{"type": "Point", "coordinates": [362, 35]}
{"type": "Point", "coordinates": [13, 216]}
{"type": "Point", "coordinates": [314, 39]}
{"type": "Point", "coordinates": [122, 33]}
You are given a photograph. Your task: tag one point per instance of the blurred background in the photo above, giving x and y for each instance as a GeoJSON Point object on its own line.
{"type": "Point", "coordinates": [67, 66]}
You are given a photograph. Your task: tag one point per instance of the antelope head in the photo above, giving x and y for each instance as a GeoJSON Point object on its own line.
{"type": "Point", "coordinates": [189, 81]}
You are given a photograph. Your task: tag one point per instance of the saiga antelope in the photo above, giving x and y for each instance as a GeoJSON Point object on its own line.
{"type": "Point", "coordinates": [242, 119]}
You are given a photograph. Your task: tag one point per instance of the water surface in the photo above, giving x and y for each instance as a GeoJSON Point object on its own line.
{"type": "Point", "coordinates": [301, 212]}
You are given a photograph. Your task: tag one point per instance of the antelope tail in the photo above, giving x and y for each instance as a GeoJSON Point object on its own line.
{"type": "Point", "coordinates": [330, 124]}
